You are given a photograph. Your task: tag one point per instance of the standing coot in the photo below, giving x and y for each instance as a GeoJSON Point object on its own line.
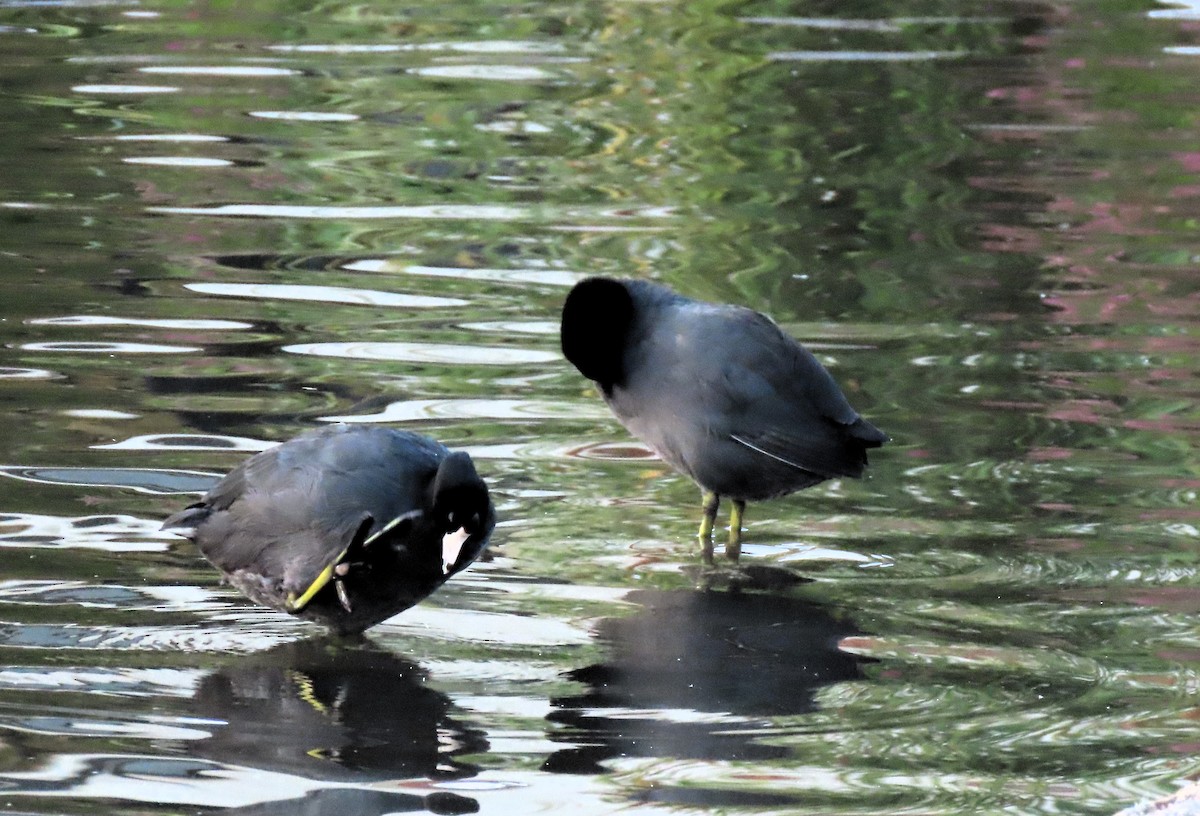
{"type": "Point", "coordinates": [345, 526]}
{"type": "Point", "coordinates": [719, 392]}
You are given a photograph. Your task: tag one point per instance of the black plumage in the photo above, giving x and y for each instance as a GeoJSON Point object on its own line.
{"type": "Point", "coordinates": [346, 525]}
{"type": "Point", "coordinates": [720, 392]}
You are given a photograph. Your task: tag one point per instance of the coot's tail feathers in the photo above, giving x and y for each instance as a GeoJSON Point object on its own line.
{"type": "Point", "coordinates": [866, 434]}
{"type": "Point", "coordinates": [187, 519]}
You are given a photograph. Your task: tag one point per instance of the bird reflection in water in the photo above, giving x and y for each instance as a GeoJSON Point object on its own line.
{"type": "Point", "coordinates": [346, 713]}
{"type": "Point", "coordinates": [689, 672]}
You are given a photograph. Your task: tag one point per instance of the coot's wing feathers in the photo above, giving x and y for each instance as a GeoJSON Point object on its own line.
{"type": "Point", "coordinates": [293, 510]}
{"type": "Point", "coordinates": [781, 402]}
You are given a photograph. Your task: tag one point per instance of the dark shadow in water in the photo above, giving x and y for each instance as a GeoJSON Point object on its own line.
{"type": "Point", "coordinates": [746, 655]}
{"type": "Point", "coordinates": [358, 802]}
{"type": "Point", "coordinates": [341, 711]}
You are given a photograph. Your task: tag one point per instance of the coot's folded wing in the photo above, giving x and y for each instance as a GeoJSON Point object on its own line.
{"type": "Point", "coordinates": [778, 400]}
{"type": "Point", "coordinates": [294, 510]}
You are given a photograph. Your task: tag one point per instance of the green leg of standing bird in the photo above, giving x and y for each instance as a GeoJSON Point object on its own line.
{"type": "Point", "coordinates": [709, 503]}
{"type": "Point", "coordinates": [733, 548]}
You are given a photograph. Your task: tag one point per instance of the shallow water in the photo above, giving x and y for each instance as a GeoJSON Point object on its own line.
{"type": "Point", "coordinates": [225, 223]}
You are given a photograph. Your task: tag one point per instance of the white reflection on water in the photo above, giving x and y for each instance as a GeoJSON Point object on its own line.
{"type": "Point", "coordinates": [447, 353]}
{"type": "Point", "coordinates": [125, 89]}
{"type": "Point", "coordinates": [481, 47]}
{"type": "Point", "coordinates": [117, 681]}
{"type": "Point", "coordinates": [514, 126]}
{"type": "Point", "coordinates": [416, 410]}
{"type": "Point", "coordinates": [305, 116]}
{"type": "Point", "coordinates": [1183, 10]}
{"type": "Point", "coordinates": [550, 277]}
{"type": "Point", "coordinates": [164, 780]}
{"type": "Point", "coordinates": [478, 626]}
{"type": "Point", "coordinates": [159, 780]}
{"type": "Point", "coordinates": [234, 640]}
{"type": "Point", "coordinates": [112, 59]}
{"type": "Point", "coordinates": [179, 441]}
{"type": "Point", "coordinates": [80, 727]}
{"type": "Point", "coordinates": [162, 598]}
{"type": "Point", "coordinates": [324, 294]}
{"type": "Point", "coordinates": [484, 212]}
{"type": "Point", "coordinates": [28, 374]}
{"type": "Point", "coordinates": [115, 533]}
{"type": "Point", "coordinates": [154, 323]}
{"type": "Point", "coordinates": [503, 73]}
{"type": "Point", "coordinates": [510, 327]}
{"type": "Point", "coordinates": [220, 70]}
{"type": "Point", "coordinates": [863, 56]}
{"type": "Point", "coordinates": [110, 348]}
{"type": "Point", "coordinates": [799, 552]}
{"type": "Point", "coordinates": [160, 137]}
{"type": "Point", "coordinates": [599, 451]}
{"type": "Point", "coordinates": [98, 413]}
{"type": "Point", "coordinates": [507, 668]}
{"type": "Point", "coordinates": [178, 161]}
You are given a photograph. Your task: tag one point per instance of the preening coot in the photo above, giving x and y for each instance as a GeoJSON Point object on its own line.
{"type": "Point", "coordinates": [720, 392]}
{"type": "Point", "coordinates": [345, 526]}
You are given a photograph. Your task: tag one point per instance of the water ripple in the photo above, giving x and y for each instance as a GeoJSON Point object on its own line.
{"type": "Point", "coordinates": [110, 348]}
{"type": "Point", "coordinates": [75, 726]}
{"type": "Point", "coordinates": [533, 451]}
{"type": "Point", "coordinates": [99, 413]}
{"type": "Point", "coordinates": [164, 598]}
{"type": "Point", "coordinates": [174, 781]}
{"type": "Point", "coordinates": [112, 533]}
{"type": "Point", "coordinates": [158, 137]}
{"type": "Point", "coordinates": [155, 482]}
{"type": "Point", "coordinates": [153, 323]}
{"type": "Point", "coordinates": [500, 73]}
{"type": "Point", "coordinates": [138, 638]}
{"type": "Point", "coordinates": [178, 161]}
{"type": "Point", "coordinates": [125, 89]}
{"type": "Point", "coordinates": [478, 626]}
{"type": "Point", "coordinates": [1184, 10]}
{"type": "Point", "coordinates": [220, 70]}
{"type": "Point", "coordinates": [511, 327]}
{"type": "Point", "coordinates": [863, 56]}
{"type": "Point", "coordinates": [324, 294]}
{"type": "Point", "coordinates": [9, 373]}
{"type": "Point", "coordinates": [306, 116]}
{"type": "Point", "coordinates": [483, 212]}
{"type": "Point", "coordinates": [110, 682]}
{"type": "Point", "coordinates": [466, 46]}
{"type": "Point", "coordinates": [418, 410]}
{"type": "Point", "coordinates": [447, 353]}
{"type": "Point", "coordinates": [549, 277]}
{"type": "Point", "coordinates": [188, 442]}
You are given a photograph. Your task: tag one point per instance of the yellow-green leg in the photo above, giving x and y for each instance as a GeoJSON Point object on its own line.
{"type": "Point", "coordinates": [709, 503]}
{"type": "Point", "coordinates": [733, 548]}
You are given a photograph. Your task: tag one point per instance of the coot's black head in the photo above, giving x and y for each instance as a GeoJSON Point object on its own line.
{"type": "Point", "coordinates": [596, 320]}
{"type": "Point", "coordinates": [462, 509]}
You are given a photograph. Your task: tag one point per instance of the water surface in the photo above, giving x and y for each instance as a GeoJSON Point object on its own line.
{"type": "Point", "coordinates": [223, 224]}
